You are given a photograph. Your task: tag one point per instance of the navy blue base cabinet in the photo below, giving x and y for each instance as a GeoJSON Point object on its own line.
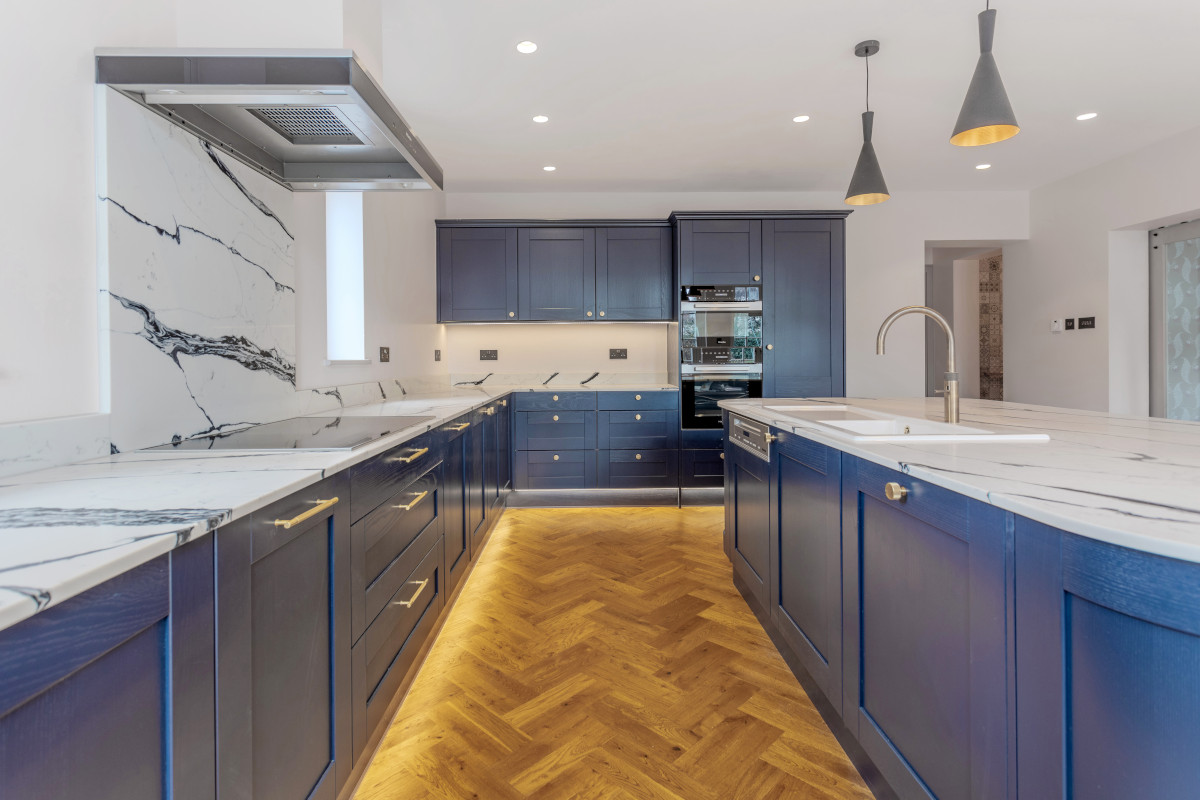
{"type": "Point", "coordinates": [748, 520]}
{"type": "Point", "coordinates": [1108, 656]}
{"type": "Point", "coordinates": [109, 695]}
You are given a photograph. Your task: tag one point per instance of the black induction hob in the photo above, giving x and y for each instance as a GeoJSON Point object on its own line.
{"type": "Point", "coordinates": [301, 433]}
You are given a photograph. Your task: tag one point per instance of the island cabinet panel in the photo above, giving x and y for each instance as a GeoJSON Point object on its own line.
{"type": "Point", "coordinates": [476, 483]}
{"type": "Point", "coordinates": [109, 695]}
{"type": "Point", "coordinates": [634, 274]}
{"type": "Point", "coordinates": [720, 252]}
{"type": "Point", "coordinates": [557, 273]}
{"type": "Point", "coordinates": [748, 494]}
{"type": "Point", "coordinates": [283, 648]}
{"type": "Point", "coordinates": [454, 482]}
{"type": "Point", "coordinates": [806, 557]}
{"type": "Point", "coordinates": [477, 274]}
{"type": "Point", "coordinates": [1108, 655]}
{"type": "Point", "coordinates": [803, 308]}
{"type": "Point", "coordinates": [925, 600]}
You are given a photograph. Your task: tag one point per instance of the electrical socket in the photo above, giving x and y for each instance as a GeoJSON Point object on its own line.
{"type": "Point", "coordinates": [385, 355]}
{"type": "Point", "coordinates": [437, 355]}
{"type": "Point", "coordinates": [621, 352]}
{"type": "Point", "coordinates": [1056, 326]}
{"type": "Point", "coordinates": [489, 355]}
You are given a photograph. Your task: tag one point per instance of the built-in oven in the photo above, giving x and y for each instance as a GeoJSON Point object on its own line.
{"type": "Point", "coordinates": [703, 392]}
{"type": "Point", "coordinates": [720, 350]}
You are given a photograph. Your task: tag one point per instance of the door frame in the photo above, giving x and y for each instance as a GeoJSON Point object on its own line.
{"type": "Point", "coordinates": [1158, 288]}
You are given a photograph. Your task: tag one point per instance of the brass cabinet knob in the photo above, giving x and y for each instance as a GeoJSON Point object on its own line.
{"type": "Point", "coordinates": [638, 456]}
{"type": "Point", "coordinates": [589, 313]}
{"type": "Point", "coordinates": [770, 347]}
{"type": "Point", "coordinates": [556, 417]}
{"type": "Point", "coordinates": [894, 491]}
{"type": "Point", "coordinates": [555, 398]}
{"type": "Point", "coordinates": [637, 416]}
{"type": "Point", "coordinates": [637, 397]}
{"type": "Point", "coordinates": [512, 313]}
{"type": "Point", "coordinates": [757, 278]}
{"type": "Point", "coordinates": [602, 313]}
{"type": "Point", "coordinates": [556, 458]}
{"type": "Point", "coordinates": [722, 456]}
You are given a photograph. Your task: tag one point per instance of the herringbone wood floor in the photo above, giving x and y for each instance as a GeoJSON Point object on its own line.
{"type": "Point", "coordinates": [605, 653]}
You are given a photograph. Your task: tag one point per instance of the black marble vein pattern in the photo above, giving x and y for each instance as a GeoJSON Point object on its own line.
{"type": "Point", "coordinates": [254, 201]}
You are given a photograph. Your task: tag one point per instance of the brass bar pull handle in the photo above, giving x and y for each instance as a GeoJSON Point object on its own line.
{"type": "Point", "coordinates": [410, 602]}
{"type": "Point", "coordinates": [461, 427]}
{"type": "Point", "coordinates": [312, 512]}
{"type": "Point", "coordinates": [413, 504]}
{"type": "Point", "coordinates": [408, 459]}
{"type": "Point", "coordinates": [489, 411]}
{"type": "Point", "coordinates": [894, 491]}
{"type": "Point", "coordinates": [504, 402]}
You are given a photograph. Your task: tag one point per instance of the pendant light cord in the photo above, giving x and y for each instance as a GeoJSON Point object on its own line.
{"type": "Point", "coordinates": [868, 60]}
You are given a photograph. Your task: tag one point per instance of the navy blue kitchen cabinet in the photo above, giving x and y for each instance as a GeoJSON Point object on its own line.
{"type": "Point", "coordinates": [557, 273]}
{"type": "Point", "coordinates": [1108, 659]}
{"type": "Point", "coordinates": [927, 685]}
{"type": "Point", "coordinates": [476, 487]}
{"type": "Point", "coordinates": [803, 267]}
{"type": "Point", "coordinates": [498, 464]}
{"type": "Point", "coordinates": [477, 274]}
{"type": "Point", "coordinates": [701, 468]}
{"type": "Point", "coordinates": [110, 694]}
{"type": "Point", "coordinates": [806, 557]}
{"type": "Point", "coordinates": [748, 520]}
{"type": "Point", "coordinates": [283, 648]}
{"type": "Point", "coordinates": [717, 252]}
{"type": "Point", "coordinates": [454, 481]}
{"type": "Point", "coordinates": [634, 274]}
{"type": "Point", "coordinates": [556, 430]}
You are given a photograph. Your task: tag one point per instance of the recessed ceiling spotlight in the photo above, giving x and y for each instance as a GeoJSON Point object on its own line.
{"type": "Point", "coordinates": [801, 118]}
{"type": "Point", "coordinates": [526, 47]}
{"type": "Point", "coordinates": [1087, 116]}
{"type": "Point", "coordinates": [983, 166]}
{"type": "Point", "coordinates": [549, 169]}
{"type": "Point", "coordinates": [541, 118]}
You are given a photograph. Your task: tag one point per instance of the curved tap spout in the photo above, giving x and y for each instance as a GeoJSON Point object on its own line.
{"type": "Point", "coordinates": [951, 389]}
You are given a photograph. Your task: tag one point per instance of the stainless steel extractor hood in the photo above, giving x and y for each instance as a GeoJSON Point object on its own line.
{"type": "Point", "coordinates": [312, 120]}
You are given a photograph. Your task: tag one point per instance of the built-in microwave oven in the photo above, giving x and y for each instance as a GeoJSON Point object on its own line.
{"type": "Point", "coordinates": [720, 325]}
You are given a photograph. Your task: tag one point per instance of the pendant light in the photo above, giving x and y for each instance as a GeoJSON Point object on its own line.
{"type": "Point", "coordinates": [866, 185]}
{"type": "Point", "coordinates": [986, 116]}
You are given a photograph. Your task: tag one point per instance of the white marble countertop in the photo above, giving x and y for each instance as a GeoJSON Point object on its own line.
{"type": "Point", "coordinates": [1130, 481]}
{"type": "Point", "coordinates": [67, 529]}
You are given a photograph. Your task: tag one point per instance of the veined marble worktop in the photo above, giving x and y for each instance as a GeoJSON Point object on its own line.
{"type": "Point", "coordinates": [1129, 481]}
{"type": "Point", "coordinates": [67, 529]}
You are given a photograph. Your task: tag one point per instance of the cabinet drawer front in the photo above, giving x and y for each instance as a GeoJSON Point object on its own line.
{"type": "Point", "coordinates": [390, 634]}
{"type": "Point", "coordinates": [554, 401]}
{"type": "Point", "coordinates": [374, 481]}
{"type": "Point", "coordinates": [931, 504]}
{"type": "Point", "coordinates": [549, 430]}
{"type": "Point", "coordinates": [636, 401]}
{"type": "Point", "coordinates": [698, 468]}
{"type": "Point", "coordinates": [634, 430]}
{"type": "Point", "coordinates": [268, 536]}
{"type": "Point", "coordinates": [555, 470]}
{"type": "Point", "coordinates": [639, 469]}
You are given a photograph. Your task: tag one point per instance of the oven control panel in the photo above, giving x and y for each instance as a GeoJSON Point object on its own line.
{"type": "Point", "coordinates": [721, 294]}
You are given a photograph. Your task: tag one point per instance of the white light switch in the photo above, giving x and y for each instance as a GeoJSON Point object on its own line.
{"type": "Point", "coordinates": [1056, 326]}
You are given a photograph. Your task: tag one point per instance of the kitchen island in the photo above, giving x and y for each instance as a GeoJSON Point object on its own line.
{"type": "Point", "coordinates": [983, 618]}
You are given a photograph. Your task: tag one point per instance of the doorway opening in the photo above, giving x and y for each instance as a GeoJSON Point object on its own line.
{"type": "Point", "coordinates": [1175, 322]}
{"type": "Point", "coordinates": [965, 284]}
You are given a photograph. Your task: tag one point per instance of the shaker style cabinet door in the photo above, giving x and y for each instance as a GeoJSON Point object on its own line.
{"type": "Point", "coordinates": [720, 252]}
{"type": "Point", "coordinates": [748, 499]}
{"type": "Point", "coordinates": [477, 274]}
{"type": "Point", "coordinates": [634, 274]}
{"type": "Point", "coordinates": [803, 308]}
{"type": "Point", "coordinates": [557, 273]}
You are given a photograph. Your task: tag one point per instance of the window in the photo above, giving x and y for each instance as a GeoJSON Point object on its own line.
{"type": "Point", "coordinates": [344, 313]}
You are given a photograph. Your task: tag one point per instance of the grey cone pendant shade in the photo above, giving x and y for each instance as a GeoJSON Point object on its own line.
{"type": "Point", "coordinates": [986, 116]}
{"type": "Point", "coordinates": [867, 186]}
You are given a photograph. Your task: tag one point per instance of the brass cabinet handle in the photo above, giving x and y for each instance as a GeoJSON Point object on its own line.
{"type": "Point", "coordinates": [589, 313]}
{"type": "Point", "coordinates": [770, 347]}
{"type": "Point", "coordinates": [461, 427]}
{"type": "Point", "coordinates": [512, 313]}
{"type": "Point", "coordinates": [757, 278]}
{"type": "Point", "coordinates": [602, 313]}
{"type": "Point", "coordinates": [489, 411]}
{"type": "Point", "coordinates": [555, 398]}
{"type": "Point", "coordinates": [638, 456]}
{"type": "Point", "coordinates": [412, 600]}
{"type": "Point", "coordinates": [637, 397]}
{"type": "Point", "coordinates": [504, 402]}
{"type": "Point", "coordinates": [412, 457]}
{"type": "Point", "coordinates": [722, 456]}
{"type": "Point", "coordinates": [894, 491]}
{"type": "Point", "coordinates": [556, 417]}
{"type": "Point", "coordinates": [312, 512]}
{"type": "Point", "coordinates": [637, 416]}
{"type": "Point", "coordinates": [556, 458]}
{"type": "Point", "coordinates": [413, 504]}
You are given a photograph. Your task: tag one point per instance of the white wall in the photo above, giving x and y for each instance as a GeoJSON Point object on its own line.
{"type": "Point", "coordinates": [885, 253]}
{"type": "Point", "coordinates": [966, 325]}
{"type": "Point", "coordinates": [546, 348]}
{"type": "Point", "coordinates": [1088, 255]}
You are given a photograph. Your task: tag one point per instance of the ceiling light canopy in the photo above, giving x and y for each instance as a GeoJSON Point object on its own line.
{"type": "Point", "coordinates": [986, 116]}
{"type": "Point", "coordinates": [526, 47]}
{"type": "Point", "coordinates": [867, 186]}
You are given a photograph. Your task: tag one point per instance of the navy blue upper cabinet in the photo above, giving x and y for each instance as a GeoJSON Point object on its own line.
{"type": "Point", "coordinates": [634, 274]}
{"type": "Point", "coordinates": [109, 695]}
{"type": "Point", "coordinates": [714, 252]}
{"type": "Point", "coordinates": [806, 557]}
{"type": "Point", "coordinates": [477, 274]}
{"type": "Point", "coordinates": [1108, 654]}
{"type": "Point", "coordinates": [803, 308]}
{"type": "Point", "coordinates": [927, 684]}
{"type": "Point", "coordinates": [283, 648]}
{"type": "Point", "coordinates": [557, 273]}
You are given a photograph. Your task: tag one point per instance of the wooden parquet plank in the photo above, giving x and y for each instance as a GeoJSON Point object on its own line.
{"type": "Point", "coordinates": [604, 654]}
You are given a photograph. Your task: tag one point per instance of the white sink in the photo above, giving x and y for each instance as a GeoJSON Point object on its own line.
{"type": "Point", "coordinates": [860, 425]}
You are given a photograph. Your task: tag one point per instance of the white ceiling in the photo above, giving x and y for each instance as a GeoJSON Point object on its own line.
{"type": "Point", "coordinates": [698, 95]}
